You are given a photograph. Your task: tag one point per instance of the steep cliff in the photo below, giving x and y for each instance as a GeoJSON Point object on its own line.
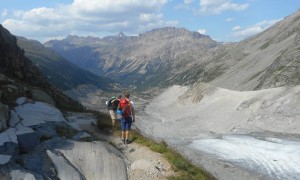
{"type": "Point", "coordinates": [20, 77]}
{"type": "Point", "coordinates": [14, 64]}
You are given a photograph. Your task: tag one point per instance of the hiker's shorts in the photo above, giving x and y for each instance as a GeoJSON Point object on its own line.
{"type": "Point", "coordinates": [113, 114]}
{"type": "Point", "coordinates": [126, 123]}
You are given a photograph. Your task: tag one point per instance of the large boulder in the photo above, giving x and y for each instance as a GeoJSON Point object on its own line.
{"type": "Point", "coordinates": [8, 145]}
{"type": "Point", "coordinates": [39, 163]}
{"type": "Point", "coordinates": [36, 147]}
{"type": "Point", "coordinates": [19, 174]}
{"type": "Point", "coordinates": [91, 160]}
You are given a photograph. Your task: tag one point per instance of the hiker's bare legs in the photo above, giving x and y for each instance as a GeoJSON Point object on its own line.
{"type": "Point", "coordinates": [113, 122]}
{"type": "Point", "coordinates": [126, 135]}
{"type": "Point", "coordinates": [123, 134]}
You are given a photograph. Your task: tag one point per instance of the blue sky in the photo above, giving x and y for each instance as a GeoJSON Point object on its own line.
{"type": "Point", "coordinates": [222, 20]}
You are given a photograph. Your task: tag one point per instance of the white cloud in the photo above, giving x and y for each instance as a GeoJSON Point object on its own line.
{"type": "Point", "coordinates": [235, 28]}
{"type": "Point", "coordinates": [202, 31]}
{"type": "Point", "coordinates": [150, 17]}
{"type": "Point", "coordinates": [188, 1]}
{"type": "Point", "coordinates": [229, 19]}
{"type": "Point", "coordinates": [4, 13]}
{"type": "Point", "coordinates": [81, 18]}
{"type": "Point", "coordinates": [242, 33]}
{"type": "Point", "coordinates": [219, 6]}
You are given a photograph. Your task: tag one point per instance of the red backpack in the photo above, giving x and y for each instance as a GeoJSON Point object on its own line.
{"type": "Point", "coordinates": [125, 107]}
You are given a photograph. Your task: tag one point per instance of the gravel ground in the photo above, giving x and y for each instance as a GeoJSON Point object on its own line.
{"type": "Point", "coordinates": [142, 163]}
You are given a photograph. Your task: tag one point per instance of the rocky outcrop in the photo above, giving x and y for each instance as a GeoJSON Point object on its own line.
{"type": "Point", "coordinates": [40, 144]}
{"type": "Point", "coordinates": [86, 160]}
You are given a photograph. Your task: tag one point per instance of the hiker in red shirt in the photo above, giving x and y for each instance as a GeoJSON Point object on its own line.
{"type": "Point", "coordinates": [128, 116]}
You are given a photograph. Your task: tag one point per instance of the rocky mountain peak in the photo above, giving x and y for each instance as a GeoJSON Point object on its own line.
{"type": "Point", "coordinates": [171, 32]}
{"type": "Point", "coordinates": [120, 35]}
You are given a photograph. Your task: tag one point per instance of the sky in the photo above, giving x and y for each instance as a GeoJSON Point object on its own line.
{"type": "Point", "coordinates": [222, 20]}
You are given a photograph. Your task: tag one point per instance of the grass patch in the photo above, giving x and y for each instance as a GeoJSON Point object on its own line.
{"type": "Point", "coordinates": [183, 167]}
{"type": "Point", "coordinates": [76, 107]}
{"type": "Point", "coordinates": [66, 131]}
{"type": "Point", "coordinates": [103, 121]}
{"type": "Point", "coordinates": [88, 139]}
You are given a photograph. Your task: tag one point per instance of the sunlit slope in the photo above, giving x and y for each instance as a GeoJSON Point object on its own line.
{"type": "Point", "coordinates": [201, 110]}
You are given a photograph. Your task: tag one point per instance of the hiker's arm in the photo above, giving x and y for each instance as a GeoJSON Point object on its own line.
{"type": "Point", "coordinates": [133, 113]}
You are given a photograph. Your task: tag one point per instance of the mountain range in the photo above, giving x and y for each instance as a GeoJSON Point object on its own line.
{"type": "Point", "coordinates": [169, 56]}
{"type": "Point", "coordinates": [144, 60]}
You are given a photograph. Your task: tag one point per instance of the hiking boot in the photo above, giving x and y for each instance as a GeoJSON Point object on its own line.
{"type": "Point", "coordinates": [127, 141]}
{"type": "Point", "coordinates": [123, 140]}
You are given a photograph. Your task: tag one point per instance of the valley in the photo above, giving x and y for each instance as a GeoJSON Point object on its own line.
{"type": "Point", "coordinates": [231, 108]}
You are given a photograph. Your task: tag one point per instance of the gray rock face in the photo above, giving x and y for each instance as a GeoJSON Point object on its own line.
{"type": "Point", "coordinates": [21, 175]}
{"type": "Point", "coordinates": [27, 142]}
{"type": "Point", "coordinates": [4, 114]}
{"type": "Point", "coordinates": [88, 161]}
{"type": "Point", "coordinates": [36, 146]}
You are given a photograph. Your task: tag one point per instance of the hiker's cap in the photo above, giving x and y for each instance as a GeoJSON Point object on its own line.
{"type": "Point", "coordinates": [113, 97]}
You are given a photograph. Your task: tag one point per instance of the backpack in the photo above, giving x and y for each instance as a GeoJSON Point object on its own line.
{"type": "Point", "coordinates": [124, 108]}
{"type": "Point", "coordinates": [109, 105]}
